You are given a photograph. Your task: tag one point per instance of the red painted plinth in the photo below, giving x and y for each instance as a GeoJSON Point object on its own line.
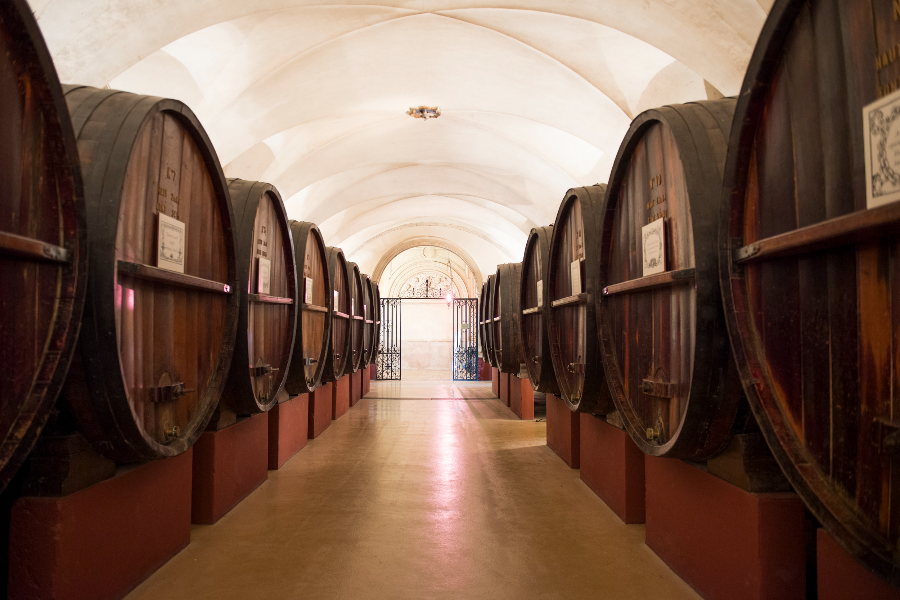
{"type": "Point", "coordinates": [368, 375]}
{"type": "Point", "coordinates": [563, 431]}
{"type": "Point", "coordinates": [726, 543]}
{"type": "Point", "coordinates": [504, 388]}
{"type": "Point", "coordinates": [612, 466]}
{"type": "Point", "coordinates": [228, 465]}
{"type": "Point", "coordinates": [484, 370]}
{"type": "Point", "coordinates": [101, 542]}
{"type": "Point", "coordinates": [513, 392]}
{"type": "Point", "coordinates": [521, 403]}
{"type": "Point", "coordinates": [288, 427]}
{"type": "Point", "coordinates": [495, 381]}
{"type": "Point", "coordinates": [319, 411]}
{"type": "Point", "coordinates": [355, 387]}
{"type": "Point", "coordinates": [840, 577]}
{"type": "Point", "coordinates": [340, 397]}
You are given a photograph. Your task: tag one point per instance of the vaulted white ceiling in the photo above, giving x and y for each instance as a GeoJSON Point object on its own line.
{"type": "Point", "coordinates": [311, 96]}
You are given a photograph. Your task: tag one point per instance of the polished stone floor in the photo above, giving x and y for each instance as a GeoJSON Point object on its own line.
{"type": "Point", "coordinates": [423, 490]}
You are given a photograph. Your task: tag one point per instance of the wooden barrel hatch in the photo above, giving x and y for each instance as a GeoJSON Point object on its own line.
{"type": "Point", "coordinates": [660, 322]}
{"type": "Point", "coordinates": [810, 270]}
{"type": "Point", "coordinates": [43, 244]}
{"type": "Point", "coordinates": [161, 313]}
{"type": "Point", "coordinates": [268, 298]}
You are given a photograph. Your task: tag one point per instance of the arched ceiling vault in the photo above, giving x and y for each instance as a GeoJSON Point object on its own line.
{"type": "Point", "coordinates": [310, 96]}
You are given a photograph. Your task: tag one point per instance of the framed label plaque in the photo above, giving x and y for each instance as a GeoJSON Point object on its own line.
{"type": "Point", "coordinates": [653, 244]}
{"type": "Point", "coordinates": [264, 276]}
{"type": "Point", "coordinates": [575, 271]}
{"type": "Point", "coordinates": [881, 130]}
{"type": "Point", "coordinates": [308, 293]}
{"type": "Point", "coordinates": [540, 292]}
{"type": "Point", "coordinates": [170, 244]}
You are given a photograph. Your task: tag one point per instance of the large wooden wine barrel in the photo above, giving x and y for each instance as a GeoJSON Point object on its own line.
{"type": "Point", "coordinates": [377, 325]}
{"type": "Point", "coordinates": [482, 303]}
{"type": "Point", "coordinates": [533, 321]}
{"type": "Point", "coordinates": [662, 330]}
{"type": "Point", "coordinates": [358, 326]}
{"type": "Point", "coordinates": [162, 307]}
{"type": "Point", "coordinates": [811, 273]}
{"type": "Point", "coordinates": [505, 318]}
{"type": "Point", "coordinates": [489, 318]}
{"type": "Point", "coordinates": [336, 365]}
{"type": "Point", "coordinates": [313, 332]}
{"type": "Point", "coordinates": [371, 339]}
{"type": "Point", "coordinates": [43, 244]}
{"type": "Point", "coordinates": [267, 318]}
{"type": "Point", "coordinates": [573, 286]}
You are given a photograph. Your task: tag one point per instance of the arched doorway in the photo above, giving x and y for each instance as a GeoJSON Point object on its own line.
{"type": "Point", "coordinates": [429, 328]}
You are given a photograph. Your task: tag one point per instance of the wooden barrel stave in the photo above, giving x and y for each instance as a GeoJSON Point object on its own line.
{"type": "Point", "coordinates": [533, 321]}
{"type": "Point", "coordinates": [670, 335]}
{"type": "Point", "coordinates": [266, 328]}
{"type": "Point", "coordinates": [574, 348]}
{"type": "Point", "coordinates": [142, 155]}
{"type": "Point", "coordinates": [43, 244]}
{"type": "Point", "coordinates": [340, 340]}
{"type": "Point", "coordinates": [815, 351]}
{"type": "Point", "coordinates": [313, 332]}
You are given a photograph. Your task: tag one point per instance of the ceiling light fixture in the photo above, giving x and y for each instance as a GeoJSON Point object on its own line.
{"type": "Point", "coordinates": [424, 112]}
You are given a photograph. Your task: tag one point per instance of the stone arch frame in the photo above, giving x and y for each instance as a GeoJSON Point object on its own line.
{"type": "Point", "coordinates": [388, 256]}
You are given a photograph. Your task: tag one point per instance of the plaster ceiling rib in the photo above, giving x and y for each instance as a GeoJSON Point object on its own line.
{"type": "Point", "coordinates": [137, 28]}
{"type": "Point", "coordinates": [327, 209]}
{"type": "Point", "coordinates": [475, 216]}
{"type": "Point", "coordinates": [385, 202]}
{"type": "Point", "coordinates": [234, 140]}
{"type": "Point", "coordinates": [426, 224]}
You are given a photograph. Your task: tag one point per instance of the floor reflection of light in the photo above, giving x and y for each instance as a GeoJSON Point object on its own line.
{"type": "Point", "coordinates": [446, 499]}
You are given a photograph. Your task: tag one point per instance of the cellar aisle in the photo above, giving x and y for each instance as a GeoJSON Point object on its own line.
{"type": "Point", "coordinates": [423, 490]}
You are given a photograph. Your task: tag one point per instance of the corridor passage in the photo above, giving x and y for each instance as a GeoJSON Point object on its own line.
{"type": "Point", "coordinates": [423, 490]}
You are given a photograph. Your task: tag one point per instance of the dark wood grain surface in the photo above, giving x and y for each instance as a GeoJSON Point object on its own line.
{"type": "Point", "coordinates": [311, 341]}
{"type": "Point", "coordinates": [267, 322]}
{"type": "Point", "coordinates": [143, 338]}
{"type": "Point", "coordinates": [816, 330]}
{"type": "Point", "coordinates": [340, 341]}
{"type": "Point", "coordinates": [572, 328]}
{"type": "Point", "coordinates": [533, 318]}
{"type": "Point", "coordinates": [665, 348]}
{"type": "Point", "coordinates": [41, 210]}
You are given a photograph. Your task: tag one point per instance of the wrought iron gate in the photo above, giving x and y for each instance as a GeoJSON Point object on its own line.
{"type": "Point", "coordinates": [465, 339]}
{"type": "Point", "coordinates": [388, 361]}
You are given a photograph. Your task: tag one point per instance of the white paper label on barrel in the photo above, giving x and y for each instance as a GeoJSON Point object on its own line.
{"type": "Point", "coordinates": [307, 296]}
{"type": "Point", "coordinates": [264, 276]}
{"type": "Point", "coordinates": [881, 130]}
{"type": "Point", "coordinates": [540, 292]}
{"type": "Point", "coordinates": [576, 277]}
{"type": "Point", "coordinates": [653, 244]}
{"type": "Point", "coordinates": [171, 244]}
{"type": "Point", "coordinates": [352, 306]}
{"type": "Point", "coordinates": [337, 302]}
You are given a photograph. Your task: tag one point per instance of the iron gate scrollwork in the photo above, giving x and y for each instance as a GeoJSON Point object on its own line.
{"type": "Point", "coordinates": [465, 339]}
{"type": "Point", "coordinates": [387, 365]}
